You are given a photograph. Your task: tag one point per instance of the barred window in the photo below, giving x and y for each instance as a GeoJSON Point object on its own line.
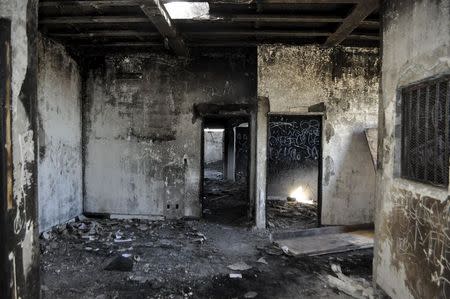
{"type": "Point", "coordinates": [425, 131]}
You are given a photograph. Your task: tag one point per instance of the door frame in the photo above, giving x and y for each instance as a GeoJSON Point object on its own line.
{"type": "Point", "coordinates": [223, 116]}
{"type": "Point", "coordinates": [320, 116]}
{"type": "Point", "coordinates": [6, 199]}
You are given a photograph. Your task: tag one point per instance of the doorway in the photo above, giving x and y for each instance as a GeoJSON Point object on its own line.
{"type": "Point", "coordinates": [294, 171]}
{"type": "Point", "coordinates": [225, 164]}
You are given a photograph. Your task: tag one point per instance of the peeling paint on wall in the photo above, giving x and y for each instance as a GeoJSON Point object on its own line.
{"type": "Point", "coordinates": [22, 267]}
{"type": "Point", "coordinates": [59, 121]}
{"type": "Point", "coordinates": [412, 251]}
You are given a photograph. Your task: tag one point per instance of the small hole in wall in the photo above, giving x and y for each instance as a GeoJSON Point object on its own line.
{"type": "Point", "coordinates": [168, 207]}
{"type": "Point", "coordinates": [176, 206]}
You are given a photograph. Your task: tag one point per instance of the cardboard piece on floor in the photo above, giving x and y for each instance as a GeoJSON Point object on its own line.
{"type": "Point", "coordinates": [327, 243]}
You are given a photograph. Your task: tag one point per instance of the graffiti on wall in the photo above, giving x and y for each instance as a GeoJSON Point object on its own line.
{"type": "Point", "coordinates": [242, 153]}
{"type": "Point", "coordinates": [421, 242]}
{"type": "Point", "coordinates": [293, 140]}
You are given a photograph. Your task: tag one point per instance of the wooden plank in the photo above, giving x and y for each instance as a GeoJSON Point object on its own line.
{"type": "Point", "coordinates": [354, 19]}
{"type": "Point", "coordinates": [158, 15]}
{"type": "Point", "coordinates": [92, 20]}
{"type": "Point", "coordinates": [327, 244]}
{"type": "Point", "coordinates": [105, 33]}
{"type": "Point", "coordinates": [94, 3]}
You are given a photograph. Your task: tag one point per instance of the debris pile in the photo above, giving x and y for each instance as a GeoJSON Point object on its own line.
{"type": "Point", "coordinates": [285, 215]}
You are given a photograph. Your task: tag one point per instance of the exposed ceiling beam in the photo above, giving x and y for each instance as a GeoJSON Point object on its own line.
{"type": "Point", "coordinates": [254, 33]}
{"type": "Point", "coordinates": [92, 3]}
{"type": "Point", "coordinates": [354, 19]}
{"type": "Point", "coordinates": [247, 2]}
{"type": "Point", "coordinates": [270, 34]}
{"type": "Point", "coordinates": [158, 15]}
{"type": "Point", "coordinates": [272, 18]}
{"type": "Point", "coordinates": [105, 33]}
{"type": "Point", "coordinates": [119, 44]}
{"type": "Point", "coordinates": [92, 20]}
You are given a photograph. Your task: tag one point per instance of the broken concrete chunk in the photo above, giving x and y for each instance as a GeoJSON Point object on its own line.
{"type": "Point", "coordinates": [241, 266]}
{"type": "Point", "coordinates": [250, 295]}
{"type": "Point", "coordinates": [262, 261]}
{"type": "Point", "coordinates": [285, 249]}
{"type": "Point", "coordinates": [358, 289]}
{"type": "Point", "coordinates": [46, 235]}
{"type": "Point", "coordinates": [120, 263]}
{"type": "Point", "coordinates": [122, 240]}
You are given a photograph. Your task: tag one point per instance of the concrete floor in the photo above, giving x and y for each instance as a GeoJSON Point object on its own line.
{"type": "Point", "coordinates": [181, 259]}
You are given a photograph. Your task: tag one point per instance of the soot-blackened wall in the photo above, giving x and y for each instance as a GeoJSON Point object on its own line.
{"type": "Point", "coordinates": [342, 84]}
{"type": "Point", "coordinates": [142, 134]}
{"type": "Point", "coordinates": [412, 254]}
{"type": "Point", "coordinates": [59, 140]}
{"type": "Point", "coordinates": [19, 275]}
{"type": "Point", "coordinates": [293, 154]}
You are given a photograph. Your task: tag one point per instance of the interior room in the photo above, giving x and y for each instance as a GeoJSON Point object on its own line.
{"type": "Point", "coordinates": [224, 149]}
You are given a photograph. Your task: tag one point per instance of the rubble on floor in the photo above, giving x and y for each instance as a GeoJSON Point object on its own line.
{"type": "Point", "coordinates": [165, 260]}
{"type": "Point", "coordinates": [226, 202]}
{"type": "Point", "coordinates": [288, 215]}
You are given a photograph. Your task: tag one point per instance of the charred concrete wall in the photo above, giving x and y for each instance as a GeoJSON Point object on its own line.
{"type": "Point", "coordinates": [19, 264]}
{"type": "Point", "coordinates": [342, 85]}
{"type": "Point", "coordinates": [142, 127]}
{"type": "Point", "coordinates": [412, 257]}
{"type": "Point", "coordinates": [59, 123]}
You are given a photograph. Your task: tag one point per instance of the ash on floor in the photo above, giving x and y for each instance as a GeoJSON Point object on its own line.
{"type": "Point", "coordinates": [290, 215]}
{"type": "Point", "coordinates": [226, 202]}
{"type": "Point", "coordinates": [105, 258]}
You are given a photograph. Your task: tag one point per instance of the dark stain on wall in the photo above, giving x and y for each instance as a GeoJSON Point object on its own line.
{"type": "Point", "coordinates": [22, 219]}
{"type": "Point", "coordinates": [150, 101]}
{"type": "Point", "coordinates": [420, 243]}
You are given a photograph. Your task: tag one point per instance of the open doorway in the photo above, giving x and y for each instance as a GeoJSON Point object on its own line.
{"type": "Point", "coordinates": [225, 159]}
{"type": "Point", "coordinates": [294, 171]}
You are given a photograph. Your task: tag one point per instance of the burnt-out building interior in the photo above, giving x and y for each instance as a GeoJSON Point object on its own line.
{"type": "Point", "coordinates": [224, 149]}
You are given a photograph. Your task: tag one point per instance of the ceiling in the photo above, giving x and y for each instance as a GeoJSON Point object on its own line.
{"type": "Point", "coordinates": [98, 26]}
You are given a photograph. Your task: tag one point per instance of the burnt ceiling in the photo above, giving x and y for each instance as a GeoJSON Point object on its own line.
{"type": "Point", "coordinates": [96, 26]}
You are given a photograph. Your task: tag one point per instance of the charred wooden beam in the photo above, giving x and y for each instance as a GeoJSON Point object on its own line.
{"type": "Point", "coordinates": [272, 18]}
{"type": "Point", "coordinates": [92, 3]}
{"type": "Point", "coordinates": [105, 33]}
{"type": "Point", "coordinates": [256, 33]}
{"type": "Point", "coordinates": [160, 18]}
{"type": "Point", "coordinates": [354, 19]}
{"type": "Point", "coordinates": [248, 2]}
{"type": "Point", "coordinates": [120, 44]}
{"type": "Point", "coordinates": [92, 20]}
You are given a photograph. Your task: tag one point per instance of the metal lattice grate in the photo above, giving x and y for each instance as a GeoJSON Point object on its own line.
{"type": "Point", "coordinates": [425, 131]}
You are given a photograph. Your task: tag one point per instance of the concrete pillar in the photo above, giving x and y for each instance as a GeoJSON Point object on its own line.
{"type": "Point", "coordinates": [252, 166]}
{"type": "Point", "coordinates": [229, 148]}
{"type": "Point", "coordinates": [261, 161]}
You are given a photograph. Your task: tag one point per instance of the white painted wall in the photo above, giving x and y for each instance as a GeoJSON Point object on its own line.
{"type": "Point", "coordinates": [59, 120]}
